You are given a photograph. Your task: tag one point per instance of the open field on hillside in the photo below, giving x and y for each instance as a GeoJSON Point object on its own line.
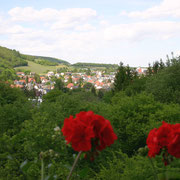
{"type": "Point", "coordinates": [39, 69]}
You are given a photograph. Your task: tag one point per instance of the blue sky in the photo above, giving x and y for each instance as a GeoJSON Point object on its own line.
{"type": "Point", "coordinates": [136, 32]}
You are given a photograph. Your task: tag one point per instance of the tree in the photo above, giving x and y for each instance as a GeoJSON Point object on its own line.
{"type": "Point", "coordinates": [69, 79]}
{"type": "Point", "coordinates": [88, 85]}
{"type": "Point", "coordinates": [123, 77]}
{"type": "Point", "coordinates": [161, 65]}
{"type": "Point", "coordinates": [14, 108]}
{"type": "Point", "coordinates": [88, 72]}
{"type": "Point", "coordinates": [93, 90]}
{"type": "Point", "coordinates": [37, 78]}
{"type": "Point", "coordinates": [59, 84]}
{"type": "Point", "coordinates": [100, 94]}
{"type": "Point", "coordinates": [155, 67]}
{"type": "Point", "coordinates": [165, 85]}
{"type": "Point", "coordinates": [8, 74]}
{"type": "Point", "coordinates": [149, 70]}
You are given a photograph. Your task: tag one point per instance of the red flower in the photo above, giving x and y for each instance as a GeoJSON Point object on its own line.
{"type": "Point", "coordinates": [174, 144]}
{"type": "Point", "coordinates": [163, 134]}
{"type": "Point", "coordinates": [88, 129]}
{"type": "Point", "coordinates": [166, 136]}
{"type": "Point", "coordinates": [81, 137]}
{"type": "Point", "coordinates": [106, 136]}
{"type": "Point", "coordinates": [152, 143]}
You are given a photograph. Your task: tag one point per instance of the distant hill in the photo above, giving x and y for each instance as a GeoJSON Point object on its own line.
{"type": "Point", "coordinates": [91, 65]}
{"type": "Point", "coordinates": [59, 61]}
{"type": "Point", "coordinates": [11, 58]}
{"type": "Point", "coordinates": [43, 60]}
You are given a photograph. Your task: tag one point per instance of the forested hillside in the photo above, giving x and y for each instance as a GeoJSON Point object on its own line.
{"type": "Point", "coordinates": [32, 145]}
{"type": "Point", "coordinates": [55, 60]}
{"type": "Point", "coordinates": [11, 58]}
{"type": "Point", "coordinates": [91, 65]}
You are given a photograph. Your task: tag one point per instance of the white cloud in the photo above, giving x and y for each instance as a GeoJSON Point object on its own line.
{"type": "Point", "coordinates": [55, 19]}
{"type": "Point", "coordinates": [78, 34]}
{"type": "Point", "coordinates": [104, 23]}
{"type": "Point", "coordinates": [166, 8]}
{"type": "Point", "coordinates": [48, 14]}
{"type": "Point", "coordinates": [30, 14]}
{"type": "Point", "coordinates": [85, 27]}
{"type": "Point", "coordinates": [143, 30]}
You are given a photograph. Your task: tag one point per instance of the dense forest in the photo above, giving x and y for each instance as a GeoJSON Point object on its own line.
{"type": "Point", "coordinates": [33, 147]}
{"type": "Point", "coordinates": [92, 65]}
{"type": "Point", "coordinates": [11, 58]}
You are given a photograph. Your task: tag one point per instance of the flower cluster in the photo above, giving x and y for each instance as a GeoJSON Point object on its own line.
{"type": "Point", "coordinates": [166, 137]}
{"type": "Point", "coordinates": [88, 130]}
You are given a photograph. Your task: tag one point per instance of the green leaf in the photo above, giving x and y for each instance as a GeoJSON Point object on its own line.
{"type": "Point", "coordinates": [83, 173]}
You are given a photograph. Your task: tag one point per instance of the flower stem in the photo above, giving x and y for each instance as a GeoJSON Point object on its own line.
{"type": "Point", "coordinates": [74, 164]}
{"type": "Point", "coordinates": [42, 169]}
{"type": "Point", "coordinates": [154, 169]}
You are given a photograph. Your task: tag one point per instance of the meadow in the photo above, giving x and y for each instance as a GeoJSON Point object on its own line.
{"type": "Point", "coordinates": [39, 69]}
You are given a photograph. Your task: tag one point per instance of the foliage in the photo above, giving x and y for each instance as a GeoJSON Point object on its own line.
{"type": "Point", "coordinates": [88, 86]}
{"type": "Point", "coordinates": [14, 108]}
{"type": "Point", "coordinates": [11, 58]}
{"type": "Point", "coordinates": [165, 85]}
{"type": "Point", "coordinates": [53, 60]}
{"type": "Point", "coordinates": [95, 65]}
{"type": "Point", "coordinates": [123, 78]}
{"type": "Point", "coordinates": [8, 75]}
{"type": "Point", "coordinates": [45, 62]}
{"type": "Point", "coordinates": [138, 167]}
{"type": "Point", "coordinates": [134, 116]}
{"type": "Point", "coordinates": [31, 134]}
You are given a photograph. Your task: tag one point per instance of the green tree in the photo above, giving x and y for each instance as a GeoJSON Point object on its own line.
{"type": "Point", "coordinates": [123, 77]}
{"type": "Point", "coordinates": [88, 85]}
{"type": "Point", "coordinates": [70, 79]}
{"type": "Point", "coordinates": [59, 84]}
{"type": "Point", "coordinates": [37, 78]}
{"type": "Point", "coordinates": [165, 85]}
{"type": "Point", "coordinates": [93, 90]}
{"type": "Point", "coordinates": [14, 108]}
{"type": "Point", "coordinates": [8, 74]}
{"type": "Point", "coordinates": [88, 72]}
{"type": "Point", "coordinates": [100, 93]}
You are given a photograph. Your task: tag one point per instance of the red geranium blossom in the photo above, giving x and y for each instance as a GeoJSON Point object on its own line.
{"type": "Point", "coordinates": [163, 134]}
{"type": "Point", "coordinates": [152, 143]}
{"type": "Point", "coordinates": [88, 129]}
{"type": "Point", "coordinates": [174, 144]}
{"type": "Point", "coordinates": [166, 137]}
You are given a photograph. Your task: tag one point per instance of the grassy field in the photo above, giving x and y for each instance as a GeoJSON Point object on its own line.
{"type": "Point", "coordinates": [39, 69]}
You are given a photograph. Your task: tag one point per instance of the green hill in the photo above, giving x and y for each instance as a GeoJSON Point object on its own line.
{"type": "Point", "coordinates": [11, 58]}
{"type": "Point", "coordinates": [55, 60]}
{"type": "Point", "coordinates": [38, 68]}
{"type": "Point", "coordinates": [94, 65]}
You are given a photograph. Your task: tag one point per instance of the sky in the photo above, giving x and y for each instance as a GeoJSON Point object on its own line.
{"type": "Point", "coordinates": [135, 32]}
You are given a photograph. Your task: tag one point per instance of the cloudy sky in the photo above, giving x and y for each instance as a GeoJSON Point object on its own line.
{"type": "Point", "coordinates": [136, 32]}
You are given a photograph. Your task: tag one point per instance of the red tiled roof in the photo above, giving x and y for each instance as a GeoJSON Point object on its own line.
{"type": "Point", "coordinates": [70, 85]}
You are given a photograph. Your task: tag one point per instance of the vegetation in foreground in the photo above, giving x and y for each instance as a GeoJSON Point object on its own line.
{"type": "Point", "coordinates": [30, 135]}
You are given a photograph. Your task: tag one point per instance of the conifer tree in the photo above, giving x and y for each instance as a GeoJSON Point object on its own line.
{"type": "Point", "coordinates": [123, 77]}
